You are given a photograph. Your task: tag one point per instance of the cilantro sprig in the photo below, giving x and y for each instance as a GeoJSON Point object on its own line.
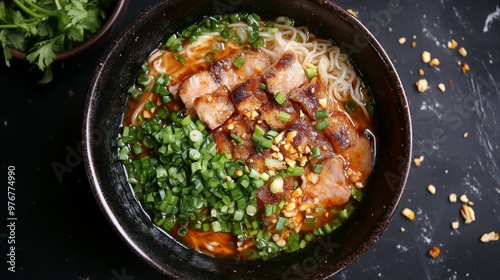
{"type": "Point", "coordinates": [44, 27]}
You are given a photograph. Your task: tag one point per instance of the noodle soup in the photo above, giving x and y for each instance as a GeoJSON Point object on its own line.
{"type": "Point", "coordinates": [246, 138]}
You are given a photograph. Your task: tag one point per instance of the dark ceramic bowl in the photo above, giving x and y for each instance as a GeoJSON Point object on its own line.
{"type": "Point", "coordinates": [117, 11]}
{"type": "Point", "coordinates": [106, 102]}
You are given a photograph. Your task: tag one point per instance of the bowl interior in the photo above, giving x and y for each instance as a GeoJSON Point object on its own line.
{"type": "Point", "coordinates": [108, 96]}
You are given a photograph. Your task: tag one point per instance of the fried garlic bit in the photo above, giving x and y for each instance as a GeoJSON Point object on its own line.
{"type": "Point", "coordinates": [422, 85]}
{"type": "Point", "coordinates": [418, 161]}
{"type": "Point", "coordinates": [452, 44]}
{"type": "Point", "coordinates": [465, 68]}
{"type": "Point", "coordinates": [442, 87]}
{"type": "Point", "coordinates": [462, 52]}
{"type": "Point", "coordinates": [468, 214]}
{"type": "Point", "coordinates": [491, 236]}
{"type": "Point", "coordinates": [431, 189]}
{"type": "Point", "coordinates": [408, 213]}
{"type": "Point", "coordinates": [426, 57]}
{"type": "Point", "coordinates": [434, 252]}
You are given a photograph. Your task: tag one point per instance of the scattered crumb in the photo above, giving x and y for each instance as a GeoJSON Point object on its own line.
{"type": "Point", "coordinates": [452, 197]}
{"type": "Point", "coordinates": [402, 229]}
{"type": "Point", "coordinates": [442, 87]}
{"type": "Point", "coordinates": [402, 40]}
{"type": "Point", "coordinates": [414, 37]}
{"type": "Point", "coordinates": [462, 52]}
{"type": "Point", "coordinates": [426, 57]}
{"type": "Point", "coordinates": [491, 236]}
{"type": "Point", "coordinates": [413, 44]}
{"type": "Point", "coordinates": [418, 161]}
{"type": "Point", "coordinates": [353, 12]}
{"type": "Point", "coordinates": [434, 62]}
{"type": "Point", "coordinates": [454, 225]}
{"type": "Point", "coordinates": [464, 198]}
{"type": "Point", "coordinates": [465, 68]}
{"type": "Point", "coordinates": [466, 134]}
{"type": "Point", "coordinates": [408, 213]}
{"type": "Point", "coordinates": [434, 252]}
{"type": "Point", "coordinates": [421, 72]}
{"type": "Point", "coordinates": [431, 189]}
{"type": "Point", "coordinates": [452, 44]}
{"type": "Point", "coordinates": [468, 214]}
{"type": "Point", "coordinates": [422, 85]}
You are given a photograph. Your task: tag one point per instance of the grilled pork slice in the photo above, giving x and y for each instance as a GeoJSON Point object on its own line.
{"type": "Point", "coordinates": [330, 187]}
{"type": "Point", "coordinates": [248, 97]}
{"type": "Point", "coordinates": [305, 139]}
{"type": "Point", "coordinates": [360, 157]}
{"type": "Point", "coordinates": [226, 73]}
{"type": "Point", "coordinates": [195, 86]}
{"type": "Point", "coordinates": [243, 128]}
{"type": "Point", "coordinates": [286, 75]}
{"type": "Point", "coordinates": [341, 132]}
{"type": "Point", "coordinates": [270, 114]}
{"type": "Point", "coordinates": [214, 108]}
{"type": "Point", "coordinates": [312, 97]}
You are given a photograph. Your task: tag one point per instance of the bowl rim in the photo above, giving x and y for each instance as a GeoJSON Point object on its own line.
{"type": "Point", "coordinates": [385, 219]}
{"type": "Point", "coordinates": [105, 29]}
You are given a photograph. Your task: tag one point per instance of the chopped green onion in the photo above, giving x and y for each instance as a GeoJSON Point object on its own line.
{"type": "Point", "coordinates": [171, 40]}
{"type": "Point", "coordinates": [284, 20]}
{"type": "Point", "coordinates": [269, 210]}
{"type": "Point", "coordinates": [280, 225]}
{"type": "Point", "coordinates": [321, 114]}
{"type": "Point", "coordinates": [216, 226]}
{"type": "Point", "coordinates": [144, 79]}
{"type": "Point", "coordinates": [322, 124]}
{"type": "Point", "coordinates": [251, 210]}
{"type": "Point", "coordinates": [182, 231]}
{"type": "Point", "coordinates": [343, 214]}
{"type": "Point", "coordinates": [311, 72]}
{"type": "Point", "coordinates": [194, 154]}
{"type": "Point", "coordinates": [180, 58]}
{"type": "Point", "coordinates": [210, 57]}
{"type": "Point", "coordinates": [284, 116]}
{"type": "Point", "coordinates": [277, 185]}
{"type": "Point", "coordinates": [238, 215]}
{"type": "Point", "coordinates": [236, 138]}
{"type": "Point", "coordinates": [317, 168]}
{"type": "Point", "coordinates": [239, 61]}
{"type": "Point", "coordinates": [263, 86]}
{"type": "Point", "coordinates": [280, 98]}
{"type": "Point", "coordinates": [195, 135]}
{"type": "Point", "coordinates": [295, 171]}
{"type": "Point", "coordinates": [316, 152]}
{"type": "Point", "coordinates": [351, 106]}
{"type": "Point", "coordinates": [137, 149]}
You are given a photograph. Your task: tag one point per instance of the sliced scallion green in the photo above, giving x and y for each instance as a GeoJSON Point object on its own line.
{"type": "Point", "coordinates": [322, 125]}
{"type": "Point", "coordinates": [280, 98]}
{"type": "Point", "coordinates": [239, 61]}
